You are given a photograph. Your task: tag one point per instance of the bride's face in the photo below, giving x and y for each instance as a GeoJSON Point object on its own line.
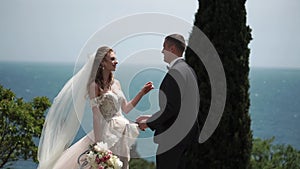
{"type": "Point", "coordinates": [110, 62]}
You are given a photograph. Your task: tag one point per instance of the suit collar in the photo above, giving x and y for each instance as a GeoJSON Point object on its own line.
{"type": "Point", "coordinates": [175, 61]}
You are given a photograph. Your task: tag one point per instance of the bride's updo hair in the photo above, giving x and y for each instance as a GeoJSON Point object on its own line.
{"type": "Point", "coordinates": [97, 69]}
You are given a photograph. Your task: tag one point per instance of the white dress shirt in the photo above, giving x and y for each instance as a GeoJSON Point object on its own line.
{"type": "Point", "coordinates": [174, 61]}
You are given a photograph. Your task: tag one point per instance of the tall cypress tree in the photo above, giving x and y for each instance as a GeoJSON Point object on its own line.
{"type": "Point", "coordinates": [224, 23]}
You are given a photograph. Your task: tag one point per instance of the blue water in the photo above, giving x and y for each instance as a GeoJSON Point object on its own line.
{"type": "Point", "coordinates": [275, 104]}
{"type": "Point", "coordinates": [275, 108]}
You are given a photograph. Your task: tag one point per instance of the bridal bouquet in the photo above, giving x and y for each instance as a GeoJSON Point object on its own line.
{"type": "Point", "coordinates": [100, 157]}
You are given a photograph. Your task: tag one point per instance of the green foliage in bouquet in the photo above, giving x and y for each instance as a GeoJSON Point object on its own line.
{"type": "Point", "coordinates": [224, 23]}
{"type": "Point", "coordinates": [266, 155]}
{"type": "Point", "coordinates": [20, 123]}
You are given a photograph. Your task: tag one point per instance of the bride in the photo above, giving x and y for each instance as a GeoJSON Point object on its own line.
{"type": "Point", "coordinates": [95, 80]}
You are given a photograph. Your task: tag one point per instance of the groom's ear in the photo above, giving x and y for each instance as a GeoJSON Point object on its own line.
{"type": "Point", "coordinates": [173, 48]}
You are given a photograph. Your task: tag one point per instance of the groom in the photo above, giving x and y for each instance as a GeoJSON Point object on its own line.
{"type": "Point", "coordinates": [175, 124]}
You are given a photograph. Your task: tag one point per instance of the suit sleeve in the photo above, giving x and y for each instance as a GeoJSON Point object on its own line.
{"type": "Point", "coordinates": [169, 104]}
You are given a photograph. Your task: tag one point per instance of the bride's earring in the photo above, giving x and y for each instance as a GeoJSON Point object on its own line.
{"type": "Point", "coordinates": [101, 67]}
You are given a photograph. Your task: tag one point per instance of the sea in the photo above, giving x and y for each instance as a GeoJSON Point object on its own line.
{"type": "Point", "coordinates": [274, 94]}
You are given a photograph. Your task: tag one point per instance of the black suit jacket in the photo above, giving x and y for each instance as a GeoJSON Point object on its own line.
{"type": "Point", "coordinates": [169, 103]}
{"type": "Point", "coordinates": [174, 98]}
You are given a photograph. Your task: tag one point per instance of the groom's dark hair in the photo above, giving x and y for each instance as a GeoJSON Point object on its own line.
{"type": "Point", "coordinates": [177, 40]}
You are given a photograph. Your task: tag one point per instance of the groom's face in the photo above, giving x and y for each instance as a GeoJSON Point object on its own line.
{"type": "Point", "coordinates": [167, 51]}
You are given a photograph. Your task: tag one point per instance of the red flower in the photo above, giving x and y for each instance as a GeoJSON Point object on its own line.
{"type": "Point", "coordinates": [98, 160]}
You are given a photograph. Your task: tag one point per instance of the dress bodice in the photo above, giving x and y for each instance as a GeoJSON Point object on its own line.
{"type": "Point", "coordinates": [114, 125]}
{"type": "Point", "coordinates": [110, 103]}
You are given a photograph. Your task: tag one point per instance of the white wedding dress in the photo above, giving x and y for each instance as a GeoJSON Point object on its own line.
{"type": "Point", "coordinates": [116, 131]}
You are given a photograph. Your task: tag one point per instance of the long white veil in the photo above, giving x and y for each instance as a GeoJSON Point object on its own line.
{"type": "Point", "coordinates": [64, 117]}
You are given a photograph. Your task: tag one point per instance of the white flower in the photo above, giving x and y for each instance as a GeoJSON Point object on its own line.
{"type": "Point", "coordinates": [115, 161]}
{"type": "Point", "coordinates": [101, 147]}
{"type": "Point", "coordinates": [100, 156]}
{"type": "Point", "coordinates": [119, 164]}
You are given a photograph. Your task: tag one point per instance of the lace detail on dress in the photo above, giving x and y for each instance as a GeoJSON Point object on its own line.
{"type": "Point", "coordinates": [109, 104]}
{"type": "Point", "coordinates": [116, 130]}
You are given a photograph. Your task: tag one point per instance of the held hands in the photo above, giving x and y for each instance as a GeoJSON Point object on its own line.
{"type": "Point", "coordinates": [141, 120]}
{"type": "Point", "coordinates": [147, 87]}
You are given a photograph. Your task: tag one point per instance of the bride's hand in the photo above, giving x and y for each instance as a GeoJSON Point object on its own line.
{"type": "Point", "coordinates": [147, 87]}
{"type": "Point", "coordinates": [142, 118]}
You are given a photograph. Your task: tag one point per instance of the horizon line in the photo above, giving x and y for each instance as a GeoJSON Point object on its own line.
{"type": "Point", "coordinates": [140, 63]}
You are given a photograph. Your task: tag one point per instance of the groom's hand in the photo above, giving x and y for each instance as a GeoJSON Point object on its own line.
{"type": "Point", "coordinates": [143, 125]}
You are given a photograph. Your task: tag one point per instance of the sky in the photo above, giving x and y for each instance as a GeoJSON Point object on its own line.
{"type": "Point", "coordinates": [57, 31]}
